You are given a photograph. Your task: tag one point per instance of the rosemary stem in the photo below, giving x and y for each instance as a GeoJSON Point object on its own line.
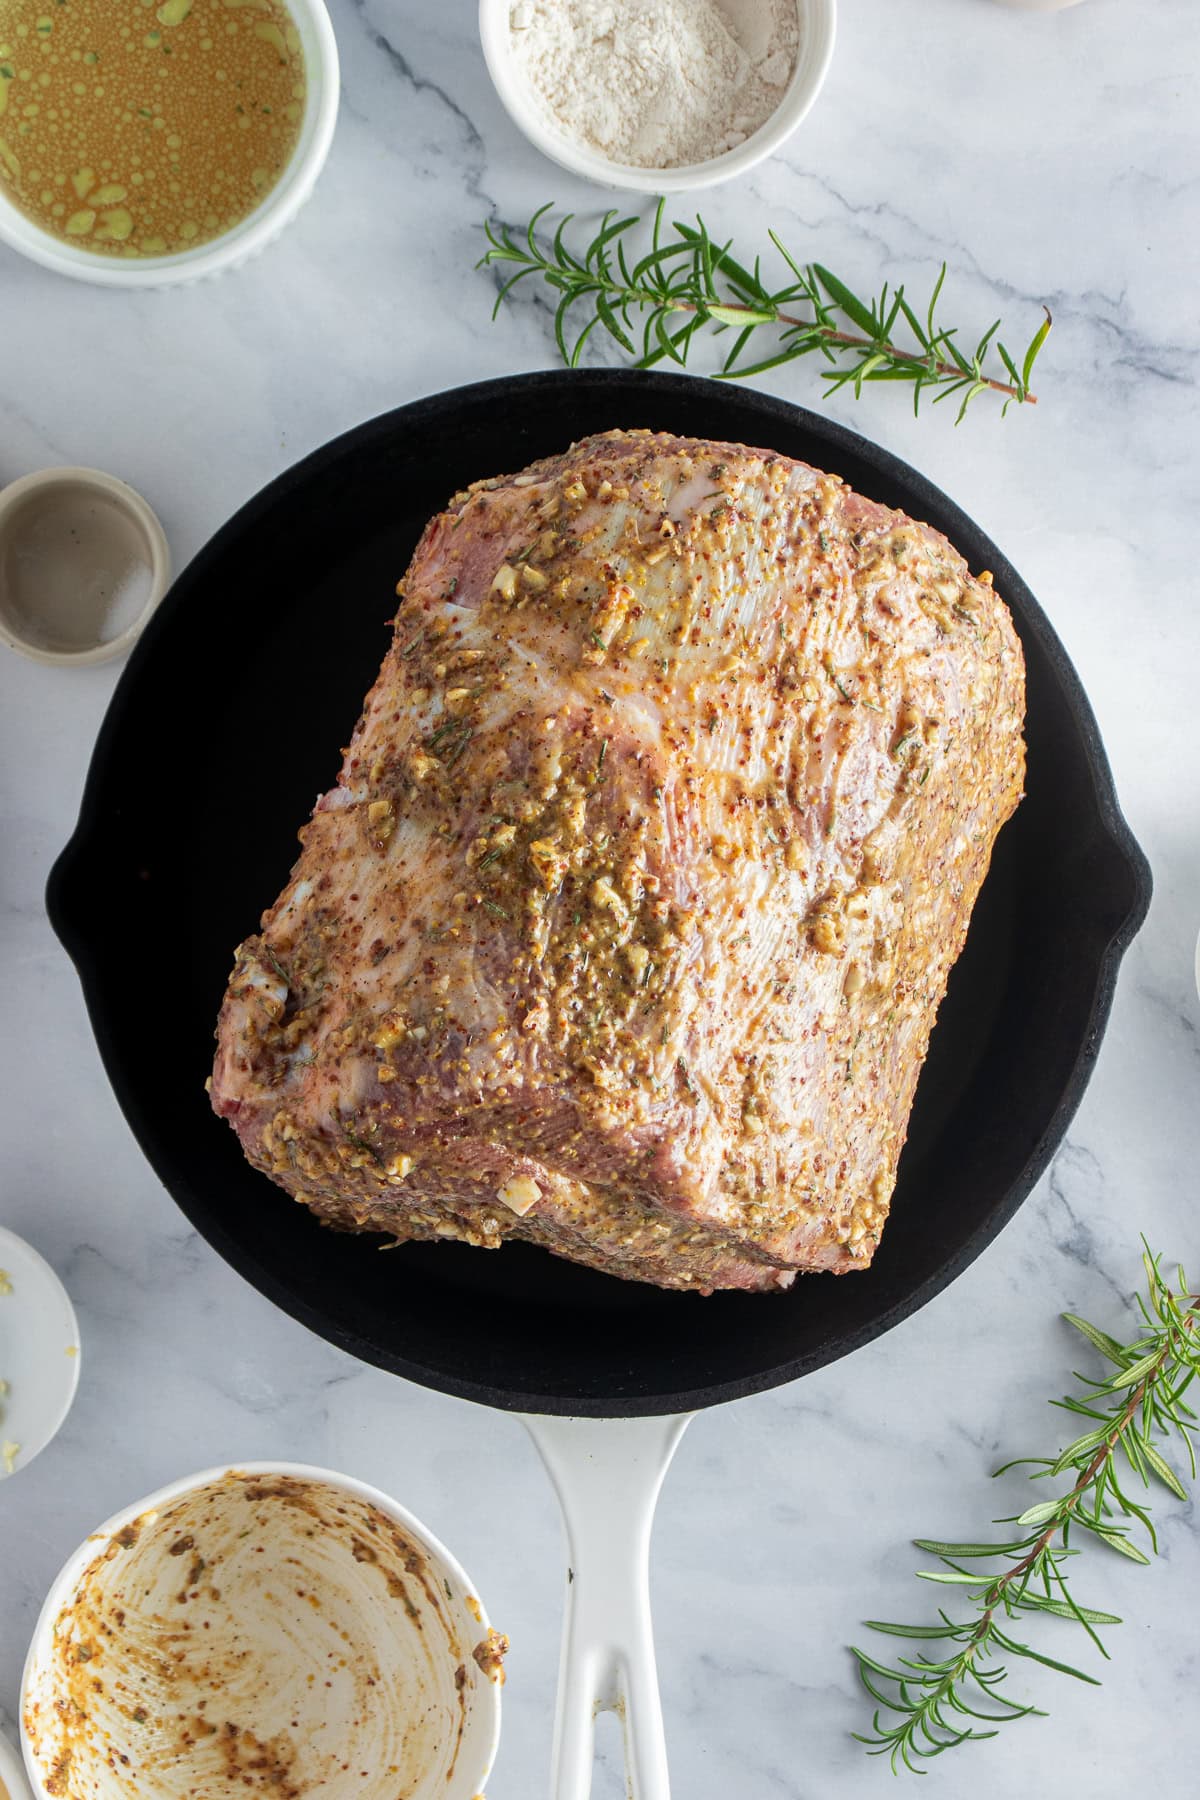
{"type": "Point", "coordinates": [925, 1712]}
{"type": "Point", "coordinates": [1071, 1501]}
{"type": "Point", "coordinates": [686, 275]}
{"type": "Point", "coordinates": [848, 340]}
{"type": "Point", "coordinates": [1104, 1451]}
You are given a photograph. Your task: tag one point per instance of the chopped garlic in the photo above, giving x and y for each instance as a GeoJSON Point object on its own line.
{"type": "Point", "coordinates": [606, 898]}
{"type": "Point", "coordinates": [520, 1194]}
{"type": "Point", "coordinates": [637, 956]}
{"type": "Point", "coordinates": [550, 861]}
{"type": "Point", "coordinates": [422, 765]}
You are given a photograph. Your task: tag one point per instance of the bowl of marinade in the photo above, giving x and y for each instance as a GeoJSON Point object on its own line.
{"type": "Point", "coordinates": [145, 142]}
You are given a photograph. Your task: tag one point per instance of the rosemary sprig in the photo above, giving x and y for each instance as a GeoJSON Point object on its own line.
{"type": "Point", "coordinates": [938, 1704]}
{"type": "Point", "coordinates": [359, 1143]}
{"type": "Point", "coordinates": [684, 274]}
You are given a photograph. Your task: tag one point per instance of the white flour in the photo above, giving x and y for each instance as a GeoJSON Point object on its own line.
{"type": "Point", "coordinates": [657, 83]}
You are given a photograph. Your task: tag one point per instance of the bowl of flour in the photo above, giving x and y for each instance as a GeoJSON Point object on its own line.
{"type": "Point", "coordinates": [658, 96]}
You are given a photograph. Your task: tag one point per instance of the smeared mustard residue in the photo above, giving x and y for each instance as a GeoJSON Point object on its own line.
{"type": "Point", "coordinates": [259, 1635]}
{"type": "Point", "coordinates": [140, 128]}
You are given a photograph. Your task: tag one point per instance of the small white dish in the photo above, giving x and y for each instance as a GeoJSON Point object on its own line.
{"type": "Point", "coordinates": [254, 233]}
{"type": "Point", "coordinates": [39, 1352]}
{"type": "Point", "coordinates": [818, 24]}
{"type": "Point", "coordinates": [83, 564]}
{"type": "Point", "coordinates": [13, 1785]}
{"type": "Point", "coordinates": [435, 1648]}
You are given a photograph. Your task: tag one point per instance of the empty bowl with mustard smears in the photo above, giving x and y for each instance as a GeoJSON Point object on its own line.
{"type": "Point", "coordinates": [142, 146]}
{"type": "Point", "coordinates": [266, 1628]}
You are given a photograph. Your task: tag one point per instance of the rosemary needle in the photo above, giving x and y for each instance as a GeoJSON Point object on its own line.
{"type": "Point", "coordinates": [654, 305]}
{"type": "Point", "coordinates": [928, 1704]}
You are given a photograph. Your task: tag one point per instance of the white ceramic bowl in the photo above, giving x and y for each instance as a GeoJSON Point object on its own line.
{"type": "Point", "coordinates": [12, 1773]}
{"type": "Point", "coordinates": [39, 1351]}
{"type": "Point", "coordinates": [70, 539]}
{"type": "Point", "coordinates": [818, 20]}
{"type": "Point", "coordinates": [432, 1676]}
{"type": "Point", "coordinates": [254, 233]}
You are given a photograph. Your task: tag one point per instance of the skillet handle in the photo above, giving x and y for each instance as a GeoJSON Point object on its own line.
{"type": "Point", "coordinates": [608, 1473]}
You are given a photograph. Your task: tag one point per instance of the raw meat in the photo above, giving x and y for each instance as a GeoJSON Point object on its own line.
{"type": "Point", "coordinates": [626, 923]}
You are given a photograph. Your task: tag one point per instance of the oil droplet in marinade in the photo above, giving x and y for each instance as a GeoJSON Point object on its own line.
{"type": "Point", "coordinates": [142, 127]}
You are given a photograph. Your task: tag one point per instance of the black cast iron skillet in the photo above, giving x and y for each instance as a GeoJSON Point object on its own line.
{"type": "Point", "coordinates": [227, 723]}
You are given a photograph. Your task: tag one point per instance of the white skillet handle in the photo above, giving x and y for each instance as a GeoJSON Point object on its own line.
{"type": "Point", "coordinates": [608, 1473]}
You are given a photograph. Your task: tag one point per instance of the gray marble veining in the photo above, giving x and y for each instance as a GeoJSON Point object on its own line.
{"type": "Point", "coordinates": [1044, 159]}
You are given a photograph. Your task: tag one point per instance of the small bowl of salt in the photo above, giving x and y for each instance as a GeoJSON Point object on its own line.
{"type": "Point", "coordinates": [657, 96]}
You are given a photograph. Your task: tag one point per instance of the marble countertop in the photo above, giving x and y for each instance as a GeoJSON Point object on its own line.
{"type": "Point", "coordinates": [1045, 159]}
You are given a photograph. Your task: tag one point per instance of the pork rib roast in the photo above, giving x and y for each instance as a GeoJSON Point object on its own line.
{"type": "Point", "coordinates": [626, 923]}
